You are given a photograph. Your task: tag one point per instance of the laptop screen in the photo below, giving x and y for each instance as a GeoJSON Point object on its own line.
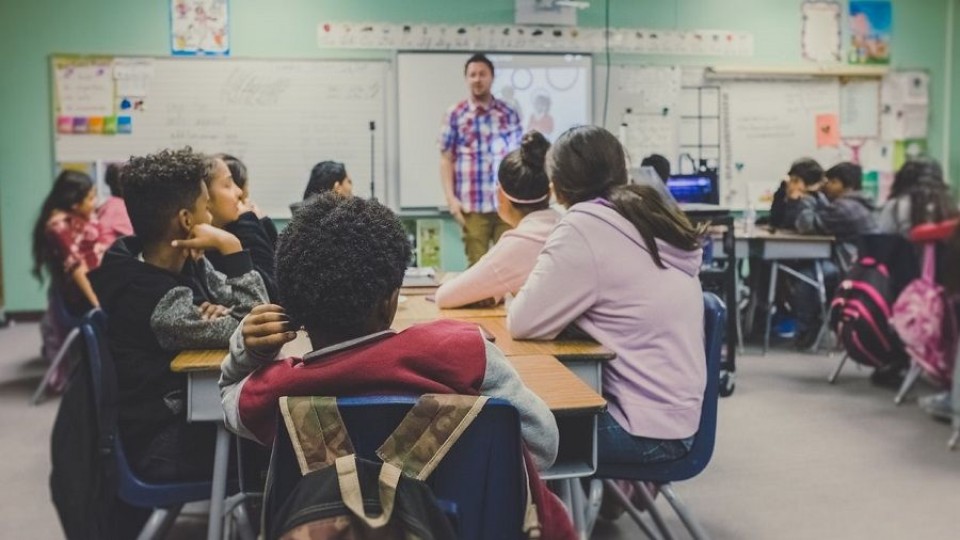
{"type": "Point", "coordinates": [694, 188]}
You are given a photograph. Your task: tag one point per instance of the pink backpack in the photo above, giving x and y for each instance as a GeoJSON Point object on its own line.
{"type": "Point", "coordinates": [924, 319]}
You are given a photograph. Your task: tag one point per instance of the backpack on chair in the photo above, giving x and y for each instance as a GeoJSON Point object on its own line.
{"type": "Point", "coordinates": [924, 318]}
{"type": "Point", "coordinates": [859, 315]}
{"type": "Point", "coordinates": [343, 496]}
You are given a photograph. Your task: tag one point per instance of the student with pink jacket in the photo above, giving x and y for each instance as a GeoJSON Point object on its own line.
{"type": "Point", "coordinates": [622, 266]}
{"type": "Point", "coordinates": [523, 201]}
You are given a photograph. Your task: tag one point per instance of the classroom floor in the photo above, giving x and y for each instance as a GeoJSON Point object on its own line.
{"type": "Point", "coordinates": [796, 458]}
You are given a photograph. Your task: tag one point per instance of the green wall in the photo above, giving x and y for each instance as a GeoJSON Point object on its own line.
{"type": "Point", "coordinates": [32, 30]}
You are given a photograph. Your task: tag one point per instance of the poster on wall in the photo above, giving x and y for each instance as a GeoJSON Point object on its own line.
{"type": "Point", "coordinates": [199, 28]}
{"type": "Point", "coordinates": [544, 12]}
{"type": "Point", "coordinates": [820, 36]}
{"type": "Point", "coordinates": [871, 25]}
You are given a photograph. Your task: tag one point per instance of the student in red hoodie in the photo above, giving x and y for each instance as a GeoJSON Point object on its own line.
{"type": "Point", "coordinates": [340, 264]}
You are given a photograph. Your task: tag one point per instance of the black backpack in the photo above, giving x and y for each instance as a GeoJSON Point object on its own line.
{"type": "Point", "coordinates": [83, 482]}
{"type": "Point", "coordinates": [860, 316]}
{"type": "Point", "coordinates": [339, 495]}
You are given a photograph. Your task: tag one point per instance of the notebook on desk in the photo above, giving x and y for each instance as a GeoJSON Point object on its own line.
{"type": "Point", "coordinates": [420, 277]}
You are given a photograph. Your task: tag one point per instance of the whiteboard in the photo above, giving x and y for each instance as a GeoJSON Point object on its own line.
{"type": "Point", "coordinates": [280, 117]}
{"type": "Point", "coordinates": [428, 84]}
{"type": "Point", "coordinates": [766, 125]}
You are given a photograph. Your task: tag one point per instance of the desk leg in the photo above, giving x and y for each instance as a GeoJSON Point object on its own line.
{"type": "Point", "coordinates": [221, 461]}
{"type": "Point", "coordinates": [771, 298]}
{"type": "Point", "coordinates": [822, 292]}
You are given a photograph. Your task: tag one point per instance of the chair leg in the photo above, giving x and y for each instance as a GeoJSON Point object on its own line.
{"type": "Point", "coordinates": [822, 295]}
{"type": "Point", "coordinates": [594, 499]}
{"type": "Point", "coordinates": [696, 531]}
{"type": "Point", "coordinates": [39, 395]}
{"type": "Point", "coordinates": [652, 510]}
{"type": "Point", "coordinates": [236, 507]}
{"type": "Point", "coordinates": [159, 523]}
{"type": "Point", "coordinates": [954, 440]}
{"type": "Point", "coordinates": [836, 372]}
{"type": "Point", "coordinates": [908, 382]}
{"type": "Point", "coordinates": [577, 498]}
{"type": "Point", "coordinates": [631, 510]}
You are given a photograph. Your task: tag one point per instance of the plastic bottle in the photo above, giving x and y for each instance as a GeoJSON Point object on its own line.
{"type": "Point", "coordinates": [749, 220]}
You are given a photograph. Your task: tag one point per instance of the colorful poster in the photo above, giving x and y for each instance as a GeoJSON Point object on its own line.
{"type": "Point", "coordinates": [85, 88]}
{"type": "Point", "coordinates": [428, 243]}
{"type": "Point", "coordinates": [871, 24]}
{"type": "Point", "coordinates": [828, 130]}
{"type": "Point", "coordinates": [199, 27]}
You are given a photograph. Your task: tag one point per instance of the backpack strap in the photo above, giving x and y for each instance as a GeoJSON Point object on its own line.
{"type": "Point", "coordinates": [352, 496]}
{"type": "Point", "coordinates": [428, 431]}
{"type": "Point", "coordinates": [929, 261]}
{"type": "Point", "coordinates": [316, 431]}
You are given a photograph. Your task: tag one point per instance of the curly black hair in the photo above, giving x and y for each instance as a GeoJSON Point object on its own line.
{"type": "Point", "coordinates": [157, 186]}
{"type": "Point", "coordinates": [337, 260]}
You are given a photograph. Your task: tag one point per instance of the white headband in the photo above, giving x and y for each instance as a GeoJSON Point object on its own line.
{"type": "Point", "coordinates": [513, 199]}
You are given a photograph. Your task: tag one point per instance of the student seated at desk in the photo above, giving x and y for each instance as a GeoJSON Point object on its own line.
{"type": "Point", "coordinates": [347, 308]}
{"type": "Point", "coordinates": [161, 296]}
{"type": "Point", "coordinates": [805, 174]}
{"type": "Point", "coordinates": [918, 195]}
{"type": "Point", "coordinates": [838, 208]}
{"type": "Point", "coordinates": [325, 176]}
{"type": "Point", "coordinates": [523, 202]}
{"type": "Point", "coordinates": [622, 266]}
{"type": "Point", "coordinates": [233, 211]}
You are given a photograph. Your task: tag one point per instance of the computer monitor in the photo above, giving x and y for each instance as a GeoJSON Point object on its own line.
{"type": "Point", "coordinates": [694, 188]}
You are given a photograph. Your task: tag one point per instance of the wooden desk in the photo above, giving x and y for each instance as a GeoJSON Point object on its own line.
{"type": "Point", "coordinates": [418, 308]}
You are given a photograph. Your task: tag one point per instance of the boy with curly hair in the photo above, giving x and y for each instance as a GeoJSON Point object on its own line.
{"type": "Point", "coordinates": [340, 264]}
{"type": "Point", "coordinates": [162, 296]}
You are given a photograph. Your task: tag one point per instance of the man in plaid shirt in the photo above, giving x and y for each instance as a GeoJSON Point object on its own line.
{"type": "Point", "coordinates": [476, 134]}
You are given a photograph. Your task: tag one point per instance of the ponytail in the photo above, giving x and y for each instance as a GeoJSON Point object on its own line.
{"type": "Point", "coordinates": [654, 218]}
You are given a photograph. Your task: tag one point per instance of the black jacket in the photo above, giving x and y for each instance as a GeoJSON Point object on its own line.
{"type": "Point", "coordinates": [259, 238]}
{"type": "Point", "coordinates": [153, 316]}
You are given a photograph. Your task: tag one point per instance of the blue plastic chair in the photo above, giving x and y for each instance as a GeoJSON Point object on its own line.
{"type": "Point", "coordinates": [663, 474]}
{"type": "Point", "coordinates": [71, 324]}
{"type": "Point", "coordinates": [481, 480]}
{"type": "Point", "coordinates": [166, 500]}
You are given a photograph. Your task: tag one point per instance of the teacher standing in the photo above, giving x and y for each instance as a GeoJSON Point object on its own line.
{"type": "Point", "coordinates": [476, 135]}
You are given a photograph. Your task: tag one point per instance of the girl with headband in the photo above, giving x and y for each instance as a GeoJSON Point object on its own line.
{"type": "Point", "coordinates": [523, 201]}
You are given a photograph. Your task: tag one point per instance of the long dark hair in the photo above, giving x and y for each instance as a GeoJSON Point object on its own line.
{"type": "Point", "coordinates": [588, 162]}
{"type": "Point", "coordinates": [930, 201]}
{"type": "Point", "coordinates": [910, 173]}
{"type": "Point", "coordinates": [521, 174]}
{"type": "Point", "coordinates": [323, 176]}
{"type": "Point", "coordinates": [237, 169]}
{"type": "Point", "coordinates": [70, 188]}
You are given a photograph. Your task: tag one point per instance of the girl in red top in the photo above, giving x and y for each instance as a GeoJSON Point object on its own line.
{"type": "Point", "coordinates": [67, 244]}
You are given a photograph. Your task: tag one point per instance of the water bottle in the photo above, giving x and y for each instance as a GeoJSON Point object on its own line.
{"type": "Point", "coordinates": [749, 220]}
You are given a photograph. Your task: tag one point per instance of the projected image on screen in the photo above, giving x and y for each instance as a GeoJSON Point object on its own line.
{"type": "Point", "coordinates": [550, 93]}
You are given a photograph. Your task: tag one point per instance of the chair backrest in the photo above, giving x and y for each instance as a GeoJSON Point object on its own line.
{"type": "Point", "coordinates": [104, 382]}
{"type": "Point", "coordinates": [481, 477]}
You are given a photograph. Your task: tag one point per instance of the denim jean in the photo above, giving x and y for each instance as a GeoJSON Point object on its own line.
{"type": "Point", "coordinates": [617, 445]}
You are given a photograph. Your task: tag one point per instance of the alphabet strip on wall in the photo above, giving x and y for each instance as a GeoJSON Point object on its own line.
{"type": "Point", "coordinates": [439, 37]}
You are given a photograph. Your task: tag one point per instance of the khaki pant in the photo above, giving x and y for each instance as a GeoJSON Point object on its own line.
{"type": "Point", "coordinates": [479, 232]}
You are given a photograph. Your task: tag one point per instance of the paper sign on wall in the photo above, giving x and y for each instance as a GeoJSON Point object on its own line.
{"type": "Point", "coordinates": [199, 27]}
{"type": "Point", "coordinates": [828, 130]}
{"type": "Point", "coordinates": [820, 37]}
{"type": "Point", "coordinates": [85, 90]}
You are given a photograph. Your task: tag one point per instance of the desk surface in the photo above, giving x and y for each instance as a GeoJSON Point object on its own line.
{"type": "Point", "coordinates": [761, 232]}
{"type": "Point", "coordinates": [559, 387]}
{"type": "Point", "coordinates": [497, 327]}
{"type": "Point", "coordinates": [418, 308]}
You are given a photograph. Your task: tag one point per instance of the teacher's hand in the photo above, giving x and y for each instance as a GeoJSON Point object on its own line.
{"type": "Point", "coordinates": [456, 211]}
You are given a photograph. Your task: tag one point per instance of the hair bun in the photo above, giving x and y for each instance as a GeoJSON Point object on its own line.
{"type": "Point", "coordinates": [533, 149]}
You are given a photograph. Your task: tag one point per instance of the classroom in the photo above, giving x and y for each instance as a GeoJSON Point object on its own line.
{"type": "Point", "coordinates": [627, 269]}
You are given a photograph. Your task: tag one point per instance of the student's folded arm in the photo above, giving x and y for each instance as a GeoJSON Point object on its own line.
{"type": "Point", "coordinates": [178, 325]}
{"type": "Point", "coordinates": [239, 287]}
{"type": "Point", "coordinates": [236, 366]}
{"type": "Point", "coordinates": [537, 424]}
{"type": "Point", "coordinates": [562, 286]}
{"type": "Point", "coordinates": [477, 283]}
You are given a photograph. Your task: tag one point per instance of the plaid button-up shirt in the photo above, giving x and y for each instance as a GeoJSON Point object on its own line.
{"type": "Point", "coordinates": [479, 137]}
